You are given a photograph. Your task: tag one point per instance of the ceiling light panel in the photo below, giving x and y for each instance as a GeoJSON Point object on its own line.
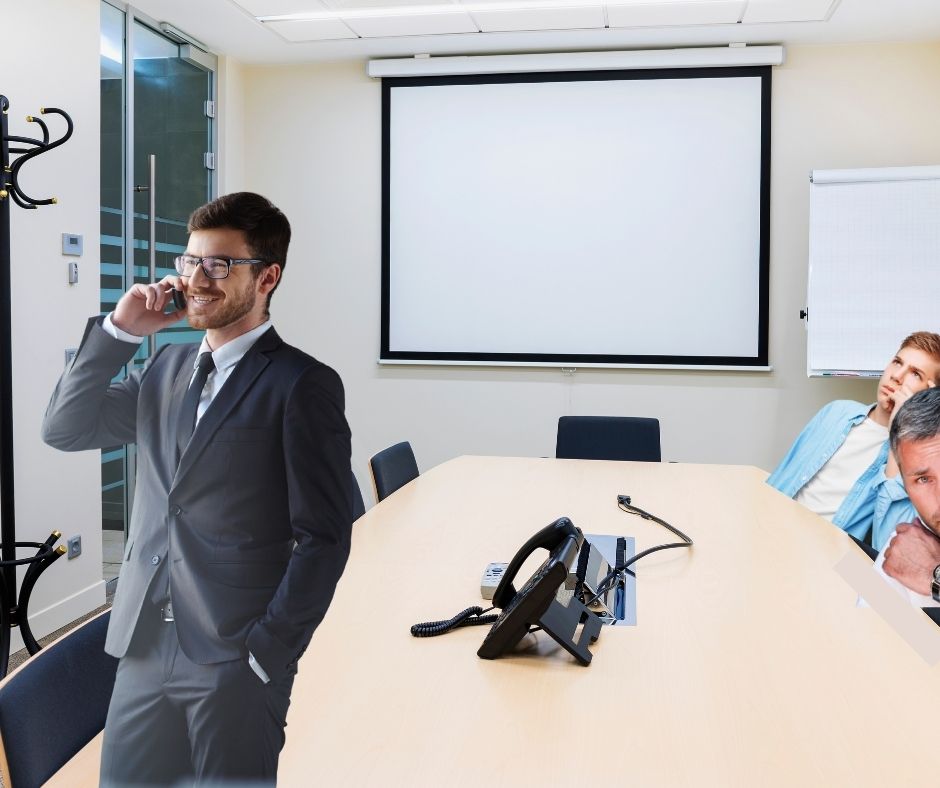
{"type": "Point", "coordinates": [762, 11]}
{"type": "Point", "coordinates": [675, 13]}
{"type": "Point", "coordinates": [576, 18]}
{"type": "Point", "coordinates": [390, 4]}
{"type": "Point", "coordinates": [316, 30]}
{"type": "Point", "coordinates": [413, 25]}
{"type": "Point", "coordinates": [279, 7]}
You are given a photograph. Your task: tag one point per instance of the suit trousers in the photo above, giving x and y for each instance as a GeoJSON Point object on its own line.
{"type": "Point", "coordinates": [174, 722]}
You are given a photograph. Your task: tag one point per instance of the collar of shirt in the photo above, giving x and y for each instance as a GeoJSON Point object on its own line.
{"type": "Point", "coordinates": [225, 360]}
{"type": "Point", "coordinates": [233, 351]}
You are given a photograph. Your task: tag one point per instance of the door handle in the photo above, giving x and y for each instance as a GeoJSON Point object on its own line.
{"type": "Point", "coordinates": [151, 188]}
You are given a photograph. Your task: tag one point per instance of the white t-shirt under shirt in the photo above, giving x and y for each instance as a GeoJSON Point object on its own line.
{"type": "Point", "coordinates": [825, 492]}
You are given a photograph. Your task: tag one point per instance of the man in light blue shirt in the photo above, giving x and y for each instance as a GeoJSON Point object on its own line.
{"type": "Point", "coordinates": [840, 466]}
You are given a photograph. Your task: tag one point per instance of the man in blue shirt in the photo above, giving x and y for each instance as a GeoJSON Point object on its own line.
{"type": "Point", "coordinates": [840, 467]}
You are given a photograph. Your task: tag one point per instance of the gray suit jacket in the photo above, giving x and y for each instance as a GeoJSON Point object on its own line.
{"type": "Point", "coordinates": [255, 520]}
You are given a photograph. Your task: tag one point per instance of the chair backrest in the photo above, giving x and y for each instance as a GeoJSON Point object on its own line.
{"type": "Point", "coordinates": [608, 438]}
{"type": "Point", "coordinates": [393, 468]}
{"type": "Point", "coordinates": [359, 506]}
{"type": "Point", "coordinates": [55, 704]}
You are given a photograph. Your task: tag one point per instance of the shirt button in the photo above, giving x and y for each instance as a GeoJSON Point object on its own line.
{"type": "Point", "coordinates": [176, 511]}
{"type": "Point", "coordinates": [155, 560]}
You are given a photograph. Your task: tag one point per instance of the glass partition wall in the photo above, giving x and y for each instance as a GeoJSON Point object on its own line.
{"type": "Point", "coordinates": [157, 156]}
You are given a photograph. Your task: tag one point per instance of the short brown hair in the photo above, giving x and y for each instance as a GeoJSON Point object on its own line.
{"type": "Point", "coordinates": [266, 229]}
{"type": "Point", "coordinates": [929, 343]}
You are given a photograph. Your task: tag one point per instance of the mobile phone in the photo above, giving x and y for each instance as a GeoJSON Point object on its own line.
{"type": "Point", "coordinates": [179, 300]}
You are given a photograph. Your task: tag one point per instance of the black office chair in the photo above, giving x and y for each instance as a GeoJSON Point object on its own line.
{"type": "Point", "coordinates": [359, 506]}
{"type": "Point", "coordinates": [393, 468]}
{"type": "Point", "coordinates": [55, 704]}
{"type": "Point", "coordinates": [608, 438]}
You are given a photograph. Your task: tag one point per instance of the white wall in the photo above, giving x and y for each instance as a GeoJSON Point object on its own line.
{"type": "Point", "coordinates": [312, 144]}
{"type": "Point", "coordinates": [54, 65]}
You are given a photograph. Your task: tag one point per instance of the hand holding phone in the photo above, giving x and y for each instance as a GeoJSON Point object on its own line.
{"type": "Point", "coordinates": [142, 309]}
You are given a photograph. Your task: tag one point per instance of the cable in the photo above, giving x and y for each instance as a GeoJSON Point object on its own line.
{"type": "Point", "coordinates": [624, 504]}
{"type": "Point", "coordinates": [430, 629]}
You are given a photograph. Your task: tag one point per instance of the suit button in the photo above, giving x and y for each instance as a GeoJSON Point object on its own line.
{"type": "Point", "coordinates": [155, 560]}
{"type": "Point", "coordinates": [176, 511]}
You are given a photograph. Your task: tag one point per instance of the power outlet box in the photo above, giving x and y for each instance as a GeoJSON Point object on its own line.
{"type": "Point", "coordinates": [75, 547]}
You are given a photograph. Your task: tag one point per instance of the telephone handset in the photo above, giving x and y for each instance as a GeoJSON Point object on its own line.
{"type": "Point", "coordinates": [179, 299]}
{"type": "Point", "coordinates": [535, 603]}
{"type": "Point", "coordinates": [549, 538]}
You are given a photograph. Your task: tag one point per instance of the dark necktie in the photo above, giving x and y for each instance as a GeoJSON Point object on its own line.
{"type": "Point", "coordinates": [187, 414]}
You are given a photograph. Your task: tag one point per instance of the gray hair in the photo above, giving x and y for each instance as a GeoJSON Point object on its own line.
{"type": "Point", "coordinates": [918, 419]}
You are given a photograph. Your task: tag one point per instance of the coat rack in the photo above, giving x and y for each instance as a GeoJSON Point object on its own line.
{"type": "Point", "coordinates": [13, 609]}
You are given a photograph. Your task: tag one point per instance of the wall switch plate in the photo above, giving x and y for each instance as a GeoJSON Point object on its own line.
{"type": "Point", "coordinates": [70, 353]}
{"type": "Point", "coordinates": [73, 273]}
{"type": "Point", "coordinates": [75, 547]}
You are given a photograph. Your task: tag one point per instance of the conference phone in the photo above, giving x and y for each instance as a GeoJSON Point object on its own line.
{"type": "Point", "coordinates": [547, 602]}
{"type": "Point", "coordinates": [534, 606]}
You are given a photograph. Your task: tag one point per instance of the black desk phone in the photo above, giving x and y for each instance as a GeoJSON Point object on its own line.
{"type": "Point", "coordinates": [539, 604]}
{"type": "Point", "coordinates": [535, 603]}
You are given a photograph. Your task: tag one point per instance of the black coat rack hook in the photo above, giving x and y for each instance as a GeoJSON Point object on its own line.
{"type": "Point", "coordinates": [34, 148]}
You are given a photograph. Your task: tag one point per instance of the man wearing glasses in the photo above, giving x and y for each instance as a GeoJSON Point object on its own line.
{"type": "Point", "coordinates": [242, 511]}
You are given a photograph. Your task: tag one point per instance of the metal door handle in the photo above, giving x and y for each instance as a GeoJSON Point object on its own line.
{"type": "Point", "coordinates": [152, 243]}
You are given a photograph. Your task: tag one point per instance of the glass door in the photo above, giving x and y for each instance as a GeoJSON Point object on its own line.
{"type": "Point", "coordinates": [157, 157]}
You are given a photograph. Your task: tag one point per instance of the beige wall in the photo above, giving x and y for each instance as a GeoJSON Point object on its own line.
{"type": "Point", "coordinates": [230, 115]}
{"type": "Point", "coordinates": [54, 65]}
{"type": "Point", "coordinates": [313, 138]}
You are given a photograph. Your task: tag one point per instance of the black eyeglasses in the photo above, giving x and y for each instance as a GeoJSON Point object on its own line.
{"type": "Point", "coordinates": [212, 267]}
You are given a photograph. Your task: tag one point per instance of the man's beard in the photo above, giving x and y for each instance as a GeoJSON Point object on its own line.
{"type": "Point", "coordinates": [234, 307]}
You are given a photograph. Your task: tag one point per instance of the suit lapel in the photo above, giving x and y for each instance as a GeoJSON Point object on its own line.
{"type": "Point", "coordinates": [241, 380]}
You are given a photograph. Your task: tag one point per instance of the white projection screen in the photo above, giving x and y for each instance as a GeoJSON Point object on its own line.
{"type": "Point", "coordinates": [577, 218]}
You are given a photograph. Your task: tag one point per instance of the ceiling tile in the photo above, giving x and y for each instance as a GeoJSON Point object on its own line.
{"type": "Point", "coordinates": [540, 19]}
{"type": "Point", "coordinates": [759, 11]}
{"type": "Point", "coordinates": [675, 13]}
{"type": "Point", "coordinates": [316, 30]}
{"type": "Point", "coordinates": [413, 25]}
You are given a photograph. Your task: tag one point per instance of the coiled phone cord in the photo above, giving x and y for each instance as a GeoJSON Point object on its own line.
{"type": "Point", "coordinates": [430, 629]}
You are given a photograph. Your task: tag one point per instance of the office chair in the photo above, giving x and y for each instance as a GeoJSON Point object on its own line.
{"type": "Point", "coordinates": [55, 704]}
{"type": "Point", "coordinates": [393, 468]}
{"type": "Point", "coordinates": [608, 438]}
{"type": "Point", "coordinates": [359, 506]}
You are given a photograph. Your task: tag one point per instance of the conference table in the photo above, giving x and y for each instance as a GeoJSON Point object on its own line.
{"type": "Point", "coordinates": [751, 662]}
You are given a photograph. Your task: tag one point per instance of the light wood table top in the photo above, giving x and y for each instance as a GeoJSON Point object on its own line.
{"type": "Point", "coordinates": [750, 665]}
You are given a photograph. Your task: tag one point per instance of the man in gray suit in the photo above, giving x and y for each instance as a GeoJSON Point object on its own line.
{"type": "Point", "coordinates": [241, 525]}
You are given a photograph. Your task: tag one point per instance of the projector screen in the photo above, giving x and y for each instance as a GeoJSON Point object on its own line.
{"type": "Point", "coordinates": [577, 218]}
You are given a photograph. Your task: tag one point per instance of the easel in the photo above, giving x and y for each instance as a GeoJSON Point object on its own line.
{"type": "Point", "coordinates": [13, 607]}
